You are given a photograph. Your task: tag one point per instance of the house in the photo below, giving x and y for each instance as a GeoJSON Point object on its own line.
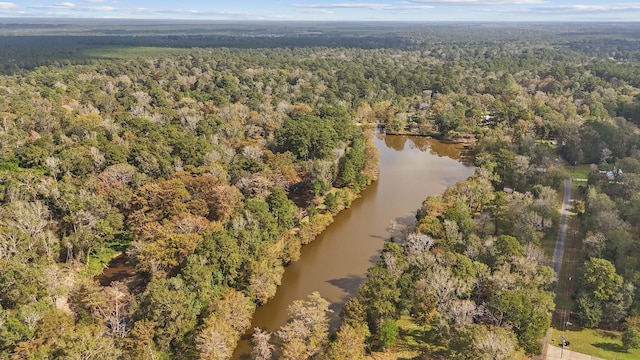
{"type": "Point", "coordinates": [612, 174]}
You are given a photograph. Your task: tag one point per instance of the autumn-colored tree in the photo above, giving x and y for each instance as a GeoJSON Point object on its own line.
{"type": "Point", "coordinates": [307, 333]}
{"type": "Point", "coordinates": [262, 348]}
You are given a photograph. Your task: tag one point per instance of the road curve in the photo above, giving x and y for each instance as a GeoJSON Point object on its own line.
{"type": "Point", "coordinates": [558, 252]}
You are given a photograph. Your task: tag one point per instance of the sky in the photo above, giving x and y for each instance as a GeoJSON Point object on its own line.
{"type": "Point", "coordinates": [330, 10]}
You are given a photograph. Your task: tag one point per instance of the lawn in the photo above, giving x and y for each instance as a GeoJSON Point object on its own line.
{"type": "Point", "coordinates": [578, 172]}
{"type": "Point", "coordinates": [548, 243]}
{"type": "Point", "coordinates": [413, 340]}
{"type": "Point", "coordinates": [595, 342]}
{"type": "Point", "coordinates": [571, 262]}
{"type": "Point", "coordinates": [572, 254]}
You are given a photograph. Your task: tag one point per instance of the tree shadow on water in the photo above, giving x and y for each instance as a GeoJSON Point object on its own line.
{"type": "Point", "coordinates": [397, 228]}
{"type": "Point", "coordinates": [611, 347]}
{"type": "Point", "coordinates": [349, 284]}
{"type": "Point", "coordinates": [374, 259]}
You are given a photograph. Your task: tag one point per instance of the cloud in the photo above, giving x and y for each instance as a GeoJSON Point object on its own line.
{"type": "Point", "coordinates": [574, 9]}
{"type": "Point", "coordinates": [96, 1]}
{"type": "Point", "coordinates": [198, 13]}
{"type": "Point", "coordinates": [415, 7]}
{"type": "Point", "coordinates": [480, 2]}
{"type": "Point", "coordinates": [575, 12]}
{"type": "Point", "coordinates": [161, 11]}
{"type": "Point", "coordinates": [319, 11]}
{"type": "Point", "coordinates": [7, 6]}
{"type": "Point", "coordinates": [370, 6]}
{"type": "Point", "coordinates": [63, 5]}
{"type": "Point", "coordinates": [102, 8]}
{"type": "Point", "coordinates": [579, 8]}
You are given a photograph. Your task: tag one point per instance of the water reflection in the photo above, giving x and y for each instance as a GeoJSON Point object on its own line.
{"type": "Point", "coordinates": [424, 144]}
{"type": "Point", "coordinates": [393, 142]}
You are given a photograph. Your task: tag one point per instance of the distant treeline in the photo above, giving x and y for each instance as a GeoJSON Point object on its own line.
{"type": "Point", "coordinates": [28, 44]}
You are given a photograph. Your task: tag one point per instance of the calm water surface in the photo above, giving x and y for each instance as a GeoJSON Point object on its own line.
{"type": "Point", "coordinates": [411, 168]}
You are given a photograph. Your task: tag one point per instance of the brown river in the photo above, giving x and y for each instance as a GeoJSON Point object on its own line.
{"type": "Point", "coordinates": [411, 168]}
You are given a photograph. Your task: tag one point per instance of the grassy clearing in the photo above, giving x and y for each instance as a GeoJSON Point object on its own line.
{"type": "Point", "coordinates": [416, 338]}
{"type": "Point", "coordinates": [571, 262]}
{"type": "Point", "coordinates": [99, 260]}
{"type": "Point", "coordinates": [578, 172]}
{"type": "Point", "coordinates": [120, 52]}
{"type": "Point", "coordinates": [413, 340]}
{"type": "Point", "coordinates": [548, 243]}
{"type": "Point", "coordinates": [604, 344]}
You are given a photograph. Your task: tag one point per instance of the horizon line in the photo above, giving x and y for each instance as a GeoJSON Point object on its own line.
{"type": "Point", "coordinates": [3, 18]}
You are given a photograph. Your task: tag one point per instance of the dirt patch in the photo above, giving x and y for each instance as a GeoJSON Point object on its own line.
{"type": "Point", "coordinates": [121, 268]}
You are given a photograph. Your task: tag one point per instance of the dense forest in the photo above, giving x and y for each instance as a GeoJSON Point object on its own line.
{"type": "Point", "coordinates": [208, 159]}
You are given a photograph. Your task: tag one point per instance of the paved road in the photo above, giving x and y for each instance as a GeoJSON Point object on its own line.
{"type": "Point", "coordinates": [558, 252]}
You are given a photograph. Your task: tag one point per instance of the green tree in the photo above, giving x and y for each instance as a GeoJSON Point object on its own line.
{"type": "Point", "coordinates": [588, 310]}
{"type": "Point", "coordinates": [139, 345]}
{"type": "Point", "coordinates": [13, 332]}
{"type": "Point", "coordinates": [506, 247]}
{"type": "Point", "coordinates": [283, 209]}
{"type": "Point", "coordinates": [332, 202]}
{"type": "Point", "coordinates": [450, 118]}
{"type": "Point", "coordinates": [631, 338]}
{"type": "Point", "coordinates": [600, 279]}
{"type": "Point", "coordinates": [349, 343]}
{"type": "Point", "coordinates": [475, 341]}
{"type": "Point", "coordinates": [425, 303]}
{"type": "Point", "coordinates": [379, 294]}
{"type": "Point", "coordinates": [388, 334]}
{"type": "Point", "coordinates": [21, 282]}
{"type": "Point", "coordinates": [87, 342]}
{"type": "Point", "coordinates": [529, 312]}
{"type": "Point", "coordinates": [172, 310]}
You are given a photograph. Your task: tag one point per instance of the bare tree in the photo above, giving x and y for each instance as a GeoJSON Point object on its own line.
{"type": "Point", "coordinates": [307, 333]}
{"type": "Point", "coordinates": [463, 312]}
{"type": "Point", "coordinates": [217, 340]}
{"type": "Point", "coordinates": [417, 243]}
{"type": "Point", "coordinates": [262, 348]}
{"type": "Point", "coordinates": [117, 315]}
